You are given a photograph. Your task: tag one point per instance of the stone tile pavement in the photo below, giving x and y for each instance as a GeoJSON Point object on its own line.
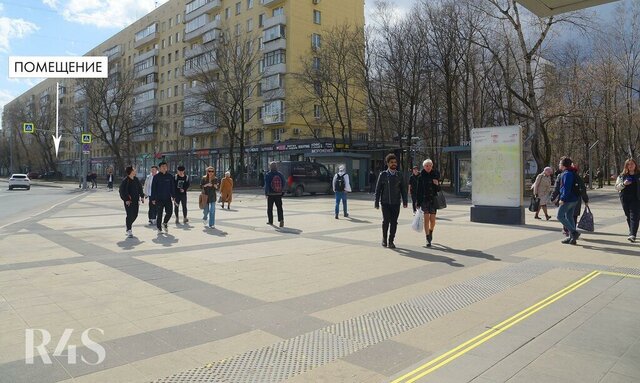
{"type": "Point", "coordinates": [318, 300]}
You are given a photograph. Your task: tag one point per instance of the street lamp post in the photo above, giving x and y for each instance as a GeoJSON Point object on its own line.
{"type": "Point", "coordinates": [590, 168]}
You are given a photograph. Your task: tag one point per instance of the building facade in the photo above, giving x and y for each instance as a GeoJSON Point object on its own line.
{"type": "Point", "coordinates": [166, 50]}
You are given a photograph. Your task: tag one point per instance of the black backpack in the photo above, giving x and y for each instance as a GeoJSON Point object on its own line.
{"type": "Point", "coordinates": [340, 184]}
{"type": "Point", "coordinates": [579, 187]}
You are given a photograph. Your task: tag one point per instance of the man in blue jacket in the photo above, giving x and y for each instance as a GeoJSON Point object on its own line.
{"type": "Point", "coordinates": [163, 193]}
{"type": "Point", "coordinates": [568, 200]}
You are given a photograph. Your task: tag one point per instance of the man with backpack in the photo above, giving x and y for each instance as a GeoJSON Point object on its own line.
{"type": "Point", "coordinates": [182, 185]}
{"type": "Point", "coordinates": [569, 195]}
{"type": "Point", "coordinates": [274, 184]}
{"type": "Point", "coordinates": [341, 187]}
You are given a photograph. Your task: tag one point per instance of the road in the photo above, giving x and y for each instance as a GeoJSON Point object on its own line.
{"type": "Point", "coordinates": [18, 204]}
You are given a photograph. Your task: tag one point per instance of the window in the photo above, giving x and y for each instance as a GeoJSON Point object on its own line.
{"type": "Point", "coordinates": [170, 22]}
{"type": "Point", "coordinates": [145, 96]}
{"type": "Point", "coordinates": [162, 61]}
{"type": "Point", "coordinates": [249, 4]}
{"type": "Point", "coordinates": [163, 43]}
{"type": "Point", "coordinates": [170, 40]}
{"type": "Point", "coordinates": [175, 106]}
{"type": "Point", "coordinates": [278, 11]}
{"type": "Point", "coordinates": [274, 58]}
{"type": "Point", "coordinates": [315, 41]}
{"type": "Point", "coordinates": [227, 13]}
{"type": "Point", "coordinates": [276, 134]}
{"type": "Point", "coordinates": [261, 20]}
{"type": "Point", "coordinates": [259, 89]}
{"type": "Point", "coordinates": [177, 55]}
{"type": "Point", "coordinates": [271, 82]}
{"type": "Point", "coordinates": [175, 93]}
{"type": "Point", "coordinates": [317, 132]}
{"type": "Point", "coordinates": [260, 43]}
{"type": "Point", "coordinates": [274, 33]}
{"type": "Point", "coordinates": [177, 36]}
{"type": "Point", "coordinates": [260, 136]}
{"type": "Point", "coordinates": [169, 95]}
{"type": "Point", "coordinates": [316, 63]}
{"type": "Point", "coordinates": [238, 8]}
{"type": "Point", "coordinates": [151, 29]}
{"type": "Point", "coordinates": [169, 58]}
{"type": "Point", "coordinates": [363, 136]}
{"type": "Point", "coordinates": [317, 112]}
{"type": "Point", "coordinates": [247, 114]}
{"type": "Point", "coordinates": [195, 24]}
{"type": "Point", "coordinates": [273, 112]}
{"type": "Point", "coordinates": [238, 29]}
{"type": "Point", "coordinates": [249, 25]}
{"type": "Point", "coordinates": [178, 19]}
{"type": "Point", "coordinates": [317, 17]}
{"type": "Point", "coordinates": [317, 87]}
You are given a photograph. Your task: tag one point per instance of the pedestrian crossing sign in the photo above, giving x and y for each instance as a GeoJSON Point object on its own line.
{"type": "Point", "coordinates": [86, 138]}
{"type": "Point", "coordinates": [28, 127]}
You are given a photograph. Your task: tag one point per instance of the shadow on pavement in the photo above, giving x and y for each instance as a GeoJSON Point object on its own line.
{"type": "Point", "coordinates": [355, 220]}
{"type": "Point", "coordinates": [215, 232]}
{"type": "Point", "coordinates": [130, 243]}
{"type": "Point", "coordinates": [466, 253]}
{"type": "Point", "coordinates": [288, 230]}
{"type": "Point", "coordinates": [623, 242]}
{"type": "Point", "coordinates": [427, 257]}
{"type": "Point", "coordinates": [165, 239]}
{"type": "Point", "coordinates": [613, 250]}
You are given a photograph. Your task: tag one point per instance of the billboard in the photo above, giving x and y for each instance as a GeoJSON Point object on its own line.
{"type": "Point", "coordinates": [496, 162]}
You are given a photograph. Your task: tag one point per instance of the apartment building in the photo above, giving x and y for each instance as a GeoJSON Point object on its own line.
{"type": "Point", "coordinates": [165, 49]}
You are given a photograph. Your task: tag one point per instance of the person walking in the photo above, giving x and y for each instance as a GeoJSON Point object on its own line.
{"type": "Point", "coordinates": [542, 190]}
{"type": "Point", "coordinates": [93, 177]}
{"type": "Point", "coordinates": [372, 182]}
{"type": "Point", "coordinates": [581, 191]}
{"type": "Point", "coordinates": [341, 187]}
{"type": "Point", "coordinates": [567, 200]}
{"type": "Point", "coordinates": [390, 189]}
{"type": "Point", "coordinates": [261, 179]}
{"type": "Point", "coordinates": [153, 210]}
{"type": "Point", "coordinates": [226, 190]}
{"type": "Point", "coordinates": [628, 184]}
{"type": "Point", "coordinates": [600, 178]}
{"type": "Point", "coordinates": [163, 193]}
{"type": "Point", "coordinates": [274, 183]}
{"type": "Point", "coordinates": [182, 183]}
{"type": "Point", "coordinates": [110, 179]}
{"type": "Point", "coordinates": [130, 193]}
{"type": "Point", "coordinates": [413, 187]}
{"type": "Point", "coordinates": [427, 197]}
{"type": "Point", "coordinates": [209, 185]}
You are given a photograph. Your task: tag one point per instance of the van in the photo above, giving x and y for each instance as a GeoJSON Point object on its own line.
{"type": "Point", "coordinates": [305, 177]}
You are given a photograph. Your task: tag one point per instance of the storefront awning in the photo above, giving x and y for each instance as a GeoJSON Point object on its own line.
{"type": "Point", "coordinates": [544, 8]}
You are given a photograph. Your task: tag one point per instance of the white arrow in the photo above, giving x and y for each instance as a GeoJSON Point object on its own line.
{"type": "Point", "coordinates": [57, 137]}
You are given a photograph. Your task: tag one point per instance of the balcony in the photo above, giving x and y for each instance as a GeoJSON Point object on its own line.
{"type": "Point", "coordinates": [146, 71]}
{"type": "Point", "coordinates": [273, 69]}
{"type": "Point", "coordinates": [276, 44]}
{"type": "Point", "coordinates": [271, 3]}
{"type": "Point", "coordinates": [203, 67]}
{"type": "Point", "coordinates": [206, 8]}
{"type": "Point", "coordinates": [210, 36]}
{"type": "Point", "coordinates": [273, 94]}
{"type": "Point", "coordinates": [146, 87]}
{"type": "Point", "coordinates": [145, 104]}
{"type": "Point", "coordinates": [114, 53]}
{"type": "Point", "coordinates": [145, 136]}
{"type": "Point", "coordinates": [79, 96]}
{"type": "Point", "coordinates": [146, 40]}
{"type": "Point", "coordinates": [211, 25]}
{"type": "Point", "coordinates": [197, 51]}
{"type": "Point", "coordinates": [195, 126]}
{"type": "Point", "coordinates": [273, 119]}
{"type": "Point", "coordinates": [275, 20]}
{"type": "Point", "coordinates": [114, 69]}
{"type": "Point", "coordinates": [146, 55]}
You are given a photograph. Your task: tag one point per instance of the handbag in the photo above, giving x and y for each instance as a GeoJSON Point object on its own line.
{"type": "Point", "coordinates": [441, 201]}
{"type": "Point", "coordinates": [534, 205]}
{"type": "Point", "coordinates": [203, 200]}
{"type": "Point", "coordinates": [418, 221]}
{"type": "Point", "coordinates": [586, 221]}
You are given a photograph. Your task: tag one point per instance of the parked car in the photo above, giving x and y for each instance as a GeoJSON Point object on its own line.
{"type": "Point", "coordinates": [33, 175]}
{"type": "Point", "coordinates": [19, 181]}
{"type": "Point", "coordinates": [305, 177]}
{"type": "Point", "coordinates": [51, 175]}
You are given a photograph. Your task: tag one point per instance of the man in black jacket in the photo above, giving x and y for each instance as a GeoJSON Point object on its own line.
{"type": "Point", "coordinates": [131, 192]}
{"type": "Point", "coordinates": [390, 188]}
{"type": "Point", "coordinates": [182, 185]}
{"type": "Point", "coordinates": [163, 193]}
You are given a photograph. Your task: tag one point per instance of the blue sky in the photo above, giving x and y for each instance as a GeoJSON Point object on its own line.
{"type": "Point", "coordinates": [67, 27]}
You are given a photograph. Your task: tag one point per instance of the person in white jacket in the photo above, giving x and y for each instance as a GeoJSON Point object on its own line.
{"type": "Point", "coordinates": [341, 187]}
{"type": "Point", "coordinates": [153, 211]}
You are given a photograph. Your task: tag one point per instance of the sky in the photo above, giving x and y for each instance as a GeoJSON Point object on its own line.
{"type": "Point", "coordinates": [69, 28]}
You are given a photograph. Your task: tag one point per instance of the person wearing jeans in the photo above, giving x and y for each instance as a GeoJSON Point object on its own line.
{"type": "Point", "coordinates": [153, 211]}
{"type": "Point", "coordinates": [628, 184]}
{"type": "Point", "coordinates": [209, 185]}
{"type": "Point", "coordinates": [390, 189]}
{"type": "Point", "coordinates": [341, 187]}
{"type": "Point", "coordinates": [568, 200]}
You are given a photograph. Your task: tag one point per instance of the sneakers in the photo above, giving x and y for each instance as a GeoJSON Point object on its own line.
{"type": "Point", "coordinates": [159, 230]}
{"type": "Point", "coordinates": [384, 243]}
{"type": "Point", "coordinates": [151, 222]}
{"type": "Point", "coordinates": [281, 223]}
{"type": "Point", "coordinates": [177, 221]}
{"type": "Point", "coordinates": [391, 245]}
{"type": "Point", "coordinates": [129, 234]}
{"type": "Point", "coordinates": [346, 215]}
{"type": "Point", "coordinates": [165, 226]}
{"type": "Point", "coordinates": [336, 216]}
{"type": "Point", "coordinates": [185, 220]}
{"type": "Point", "coordinates": [212, 226]}
{"type": "Point", "coordinates": [631, 238]}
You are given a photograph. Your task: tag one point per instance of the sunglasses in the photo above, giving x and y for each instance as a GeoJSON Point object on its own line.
{"type": "Point", "coordinates": [209, 171]}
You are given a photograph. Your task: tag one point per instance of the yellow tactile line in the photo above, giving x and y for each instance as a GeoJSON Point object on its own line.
{"type": "Point", "coordinates": [469, 345]}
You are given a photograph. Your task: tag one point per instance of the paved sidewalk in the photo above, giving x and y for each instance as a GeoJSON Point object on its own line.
{"type": "Point", "coordinates": [318, 300]}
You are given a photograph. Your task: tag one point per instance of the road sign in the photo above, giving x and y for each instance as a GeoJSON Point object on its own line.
{"type": "Point", "coordinates": [86, 138]}
{"type": "Point", "coordinates": [28, 127]}
{"type": "Point", "coordinates": [86, 148]}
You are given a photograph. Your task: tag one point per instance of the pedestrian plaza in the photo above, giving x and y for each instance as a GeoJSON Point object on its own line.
{"type": "Point", "coordinates": [319, 300]}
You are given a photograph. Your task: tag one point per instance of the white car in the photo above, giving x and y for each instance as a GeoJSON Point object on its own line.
{"type": "Point", "coordinates": [19, 181]}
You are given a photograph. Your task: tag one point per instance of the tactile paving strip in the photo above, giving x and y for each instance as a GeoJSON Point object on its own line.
{"type": "Point", "coordinates": [297, 355]}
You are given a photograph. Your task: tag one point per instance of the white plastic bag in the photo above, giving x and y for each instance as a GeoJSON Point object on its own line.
{"type": "Point", "coordinates": [418, 221]}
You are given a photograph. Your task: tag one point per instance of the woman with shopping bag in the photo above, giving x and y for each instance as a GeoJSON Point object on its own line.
{"type": "Point", "coordinates": [542, 192]}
